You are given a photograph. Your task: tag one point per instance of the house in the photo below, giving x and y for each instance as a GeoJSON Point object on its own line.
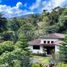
{"type": "Point", "coordinates": [46, 43]}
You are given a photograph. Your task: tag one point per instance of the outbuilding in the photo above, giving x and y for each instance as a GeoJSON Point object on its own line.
{"type": "Point", "coordinates": [46, 43]}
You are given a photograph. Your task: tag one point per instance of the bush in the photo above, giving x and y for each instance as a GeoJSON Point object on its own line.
{"type": "Point", "coordinates": [6, 46]}
{"type": "Point", "coordinates": [35, 65]}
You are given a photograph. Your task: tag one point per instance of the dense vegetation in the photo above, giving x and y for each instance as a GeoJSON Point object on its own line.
{"type": "Point", "coordinates": [16, 32]}
{"type": "Point", "coordinates": [34, 25]}
{"type": "Point", "coordinates": [63, 51]}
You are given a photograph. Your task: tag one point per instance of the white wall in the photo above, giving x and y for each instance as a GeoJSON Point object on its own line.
{"type": "Point", "coordinates": [42, 41]}
{"type": "Point", "coordinates": [35, 50]}
{"type": "Point", "coordinates": [41, 49]}
{"type": "Point", "coordinates": [56, 49]}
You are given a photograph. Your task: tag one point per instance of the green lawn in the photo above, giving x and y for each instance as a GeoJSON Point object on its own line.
{"type": "Point", "coordinates": [44, 61]}
{"type": "Point", "coordinates": [61, 65]}
{"type": "Point", "coordinates": [41, 60]}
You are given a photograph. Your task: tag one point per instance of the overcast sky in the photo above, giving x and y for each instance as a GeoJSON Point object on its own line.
{"type": "Point", "coordinates": [12, 8]}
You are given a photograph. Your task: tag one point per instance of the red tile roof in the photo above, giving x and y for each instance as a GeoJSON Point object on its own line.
{"type": "Point", "coordinates": [55, 36]}
{"type": "Point", "coordinates": [35, 42]}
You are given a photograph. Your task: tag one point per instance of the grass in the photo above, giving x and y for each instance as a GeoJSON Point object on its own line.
{"type": "Point", "coordinates": [35, 65]}
{"type": "Point", "coordinates": [61, 65]}
{"type": "Point", "coordinates": [42, 60]}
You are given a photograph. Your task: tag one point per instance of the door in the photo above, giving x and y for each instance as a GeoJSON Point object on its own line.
{"type": "Point", "coordinates": [49, 49]}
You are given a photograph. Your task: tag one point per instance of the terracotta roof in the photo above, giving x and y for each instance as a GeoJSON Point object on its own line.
{"type": "Point", "coordinates": [38, 42]}
{"type": "Point", "coordinates": [54, 35]}
{"type": "Point", "coordinates": [35, 42]}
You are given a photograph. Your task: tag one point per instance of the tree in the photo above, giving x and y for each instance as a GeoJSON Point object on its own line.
{"type": "Point", "coordinates": [63, 51]}
{"type": "Point", "coordinates": [10, 52]}
{"type": "Point", "coordinates": [63, 22]}
{"type": "Point", "coordinates": [6, 46]}
{"type": "Point", "coordinates": [14, 25]}
{"type": "Point", "coordinates": [57, 21]}
{"type": "Point", "coordinates": [43, 24]}
{"type": "Point", "coordinates": [8, 36]}
{"type": "Point", "coordinates": [3, 23]}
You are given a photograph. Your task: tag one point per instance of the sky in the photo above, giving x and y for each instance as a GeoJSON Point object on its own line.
{"type": "Point", "coordinates": [14, 8]}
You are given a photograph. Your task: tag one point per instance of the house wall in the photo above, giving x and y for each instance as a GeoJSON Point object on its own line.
{"type": "Point", "coordinates": [35, 50]}
{"type": "Point", "coordinates": [56, 49]}
{"type": "Point", "coordinates": [42, 40]}
{"type": "Point", "coordinates": [41, 47]}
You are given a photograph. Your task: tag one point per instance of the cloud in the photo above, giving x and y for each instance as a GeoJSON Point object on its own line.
{"type": "Point", "coordinates": [9, 11]}
{"type": "Point", "coordinates": [57, 2]}
{"type": "Point", "coordinates": [41, 5]}
{"type": "Point", "coordinates": [19, 4]}
{"type": "Point", "coordinates": [35, 5]}
{"type": "Point", "coordinates": [53, 3]}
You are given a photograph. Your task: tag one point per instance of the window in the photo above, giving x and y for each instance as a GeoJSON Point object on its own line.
{"type": "Point", "coordinates": [36, 47]}
{"type": "Point", "coordinates": [44, 41]}
{"type": "Point", "coordinates": [48, 42]}
{"type": "Point", "coordinates": [52, 41]}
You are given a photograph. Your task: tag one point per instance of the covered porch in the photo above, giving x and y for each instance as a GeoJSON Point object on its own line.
{"type": "Point", "coordinates": [48, 49]}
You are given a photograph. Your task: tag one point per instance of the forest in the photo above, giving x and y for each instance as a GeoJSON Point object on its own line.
{"type": "Point", "coordinates": [17, 31]}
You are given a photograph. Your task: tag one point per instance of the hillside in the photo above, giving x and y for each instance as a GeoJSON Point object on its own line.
{"type": "Point", "coordinates": [17, 31]}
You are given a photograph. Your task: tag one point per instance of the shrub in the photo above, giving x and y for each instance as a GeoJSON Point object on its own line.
{"type": "Point", "coordinates": [35, 65]}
